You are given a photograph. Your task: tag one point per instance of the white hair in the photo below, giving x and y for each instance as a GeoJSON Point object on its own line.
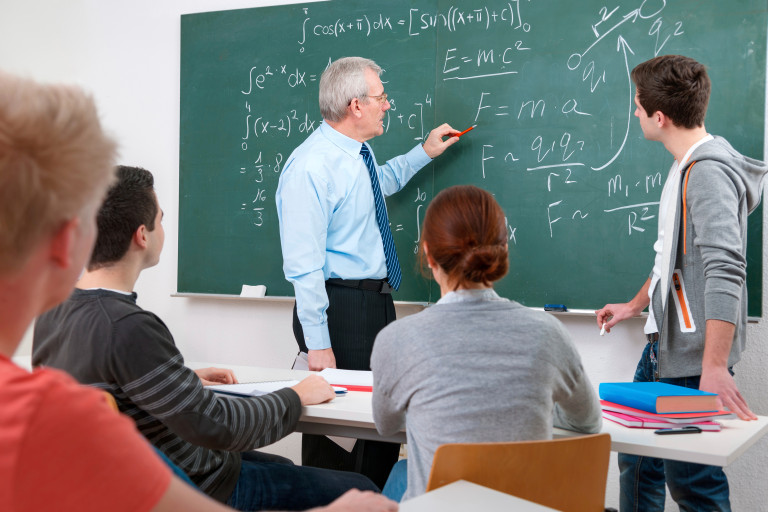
{"type": "Point", "coordinates": [341, 82]}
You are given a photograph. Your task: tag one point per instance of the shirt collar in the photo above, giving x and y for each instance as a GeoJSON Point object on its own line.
{"type": "Point", "coordinates": [346, 144]}
{"type": "Point", "coordinates": [469, 295]}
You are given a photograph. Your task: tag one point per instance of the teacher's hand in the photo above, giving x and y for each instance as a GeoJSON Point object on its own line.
{"type": "Point", "coordinates": [321, 359]}
{"type": "Point", "coordinates": [435, 145]}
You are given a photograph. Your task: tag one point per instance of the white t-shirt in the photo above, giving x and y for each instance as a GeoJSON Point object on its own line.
{"type": "Point", "coordinates": [667, 205]}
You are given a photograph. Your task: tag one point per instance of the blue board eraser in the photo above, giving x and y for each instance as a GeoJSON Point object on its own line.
{"type": "Point", "coordinates": [555, 307]}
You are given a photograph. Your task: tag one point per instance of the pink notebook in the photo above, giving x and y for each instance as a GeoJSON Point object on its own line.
{"type": "Point", "coordinates": [635, 422]}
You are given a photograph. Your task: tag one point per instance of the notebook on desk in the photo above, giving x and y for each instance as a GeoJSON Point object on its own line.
{"type": "Point", "coordinates": [260, 388]}
{"type": "Point", "coordinates": [353, 380]}
{"type": "Point", "coordinates": [252, 388]}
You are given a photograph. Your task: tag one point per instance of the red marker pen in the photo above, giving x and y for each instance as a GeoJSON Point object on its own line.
{"type": "Point", "coordinates": [465, 131]}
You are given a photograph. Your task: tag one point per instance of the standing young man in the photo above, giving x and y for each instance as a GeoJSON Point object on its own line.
{"type": "Point", "coordinates": [337, 244]}
{"type": "Point", "coordinates": [697, 292]}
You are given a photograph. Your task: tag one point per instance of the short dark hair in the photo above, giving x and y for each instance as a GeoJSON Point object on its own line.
{"type": "Point", "coordinates": [676, 85]}
{"type": "Point", "coordinates": [130, 203]}
{"type": "Point", "coordinates": [466, 234]}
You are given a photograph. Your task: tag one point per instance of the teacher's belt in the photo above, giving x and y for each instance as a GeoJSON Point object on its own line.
{"type": "Point", "coordinates": [654, 336]}
{"type": "Point", "coordinates": [371, 285]}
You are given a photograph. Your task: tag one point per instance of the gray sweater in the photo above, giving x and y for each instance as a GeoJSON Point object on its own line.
{"type": "Point", "coordinates": [480, 370]}
{"type": "Point", "coordinates": [710, 253]}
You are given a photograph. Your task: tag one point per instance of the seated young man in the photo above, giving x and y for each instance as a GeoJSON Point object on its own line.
{"type": "Point", "coordinates": [61, 445]}
{"type": "Point", "coordinates": [103, 338]}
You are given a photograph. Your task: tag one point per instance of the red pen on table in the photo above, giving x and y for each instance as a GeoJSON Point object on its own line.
{"type": "Point", "coordinates": [465, 131]}
{"type": "Point", "coordinates": [354, 387]}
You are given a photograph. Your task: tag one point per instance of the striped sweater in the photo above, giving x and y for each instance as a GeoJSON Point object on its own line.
{"type": "Point", "coordinates": [104, 339]}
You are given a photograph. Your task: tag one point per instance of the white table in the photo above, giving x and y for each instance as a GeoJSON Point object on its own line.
{"type": "Point", "coordinates": [347, 416]}
{"type": "Point", "coordinates": [461, 496]}
{"type": "Point", "coordinates": [713, 448]}
{"type": "Point", "coordinates": [352, 416]}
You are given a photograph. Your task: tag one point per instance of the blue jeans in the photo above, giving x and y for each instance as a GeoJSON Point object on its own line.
{"type": "Point", "coordinates": [176, 470]}
{"type": "Point", "coordinates": [271, 482]}
{"type": "Point", "coordinates": [694, 487]}
{"type": "Point", "coordinates": [397, 482]}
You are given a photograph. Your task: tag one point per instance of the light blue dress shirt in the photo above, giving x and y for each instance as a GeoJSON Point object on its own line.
{"type": "Point", "coordinates": [328, 220]}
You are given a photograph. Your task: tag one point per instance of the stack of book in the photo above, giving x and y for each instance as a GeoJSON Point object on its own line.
{"type": "Point", "coordinates": [659, 405]}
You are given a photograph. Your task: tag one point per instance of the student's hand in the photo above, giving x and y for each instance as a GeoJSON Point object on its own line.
{"type": "Point", "coordinates": [435, 145]}
{"type": "Point", "coordinates": [720, 381]}
{"type": "Point", "coordinates": [612, 314]}
{"type": "Point", "coordinates": [319, 360]}
{"type": "Point", "coordinates": [360, 501]}
{"type": "Point", "coordinates": [314, 390]}
{"type": "Point", "coordinates": [210, 376]}
{"type": "Point", "coordinates": [715, 376]}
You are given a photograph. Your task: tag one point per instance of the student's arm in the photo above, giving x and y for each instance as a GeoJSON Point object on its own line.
{"type": "Point", "coordinates": [180, 496]}
{"type": "Point", "coordinates": [612, 314]}
{"type": "Point", "coordinates": [715, 376]}
{"type": "Point", "coordinates": [714, 206]}
{"type": "Point", "coordinates": [359, 501]}
{"type": "Point", "coordinates": [150, 372]}
{"type": "Point", "coordinates": [580, 410]}
{"type": "Point", "coordinates": [576, 404]}
{"type": "Point", "coordinates": [388, 411]}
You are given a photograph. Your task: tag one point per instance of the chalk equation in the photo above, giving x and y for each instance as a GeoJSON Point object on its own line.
{"type": "Point", "coordinates": [415, 21]}
{"type": "Point", "coordinates": [493, 78]}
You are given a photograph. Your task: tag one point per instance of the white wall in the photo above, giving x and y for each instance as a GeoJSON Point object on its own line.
{"type": "Point", "coordinates": [127, 54]}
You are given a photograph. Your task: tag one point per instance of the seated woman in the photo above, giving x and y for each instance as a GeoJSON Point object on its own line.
{"type": "Point", "coordinates": [474, 367]}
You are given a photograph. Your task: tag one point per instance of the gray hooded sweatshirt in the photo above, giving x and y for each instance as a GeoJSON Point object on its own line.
{"type": "Point", "coordinates": [707, 266]}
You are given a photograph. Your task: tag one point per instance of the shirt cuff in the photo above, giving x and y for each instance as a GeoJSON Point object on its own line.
{"type": "Point", "coordinates": [316, 337]}
{"type": "Point", "coordinates": [417, 157]}
{"type": "Point", "coordinates": [722, 306]}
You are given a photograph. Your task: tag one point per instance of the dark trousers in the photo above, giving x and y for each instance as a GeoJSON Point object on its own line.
{"type": "Point", "coordinates": [271, 482]}
{"type": "Point", "coordinates": [354, 319]}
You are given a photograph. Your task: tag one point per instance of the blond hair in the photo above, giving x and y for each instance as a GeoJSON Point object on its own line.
{"type": "Point", "coordinates": [54, 156]}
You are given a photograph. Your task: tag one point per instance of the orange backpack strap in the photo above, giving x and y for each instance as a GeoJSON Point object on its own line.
{"type": "Point", "coordinates": [685, 208]}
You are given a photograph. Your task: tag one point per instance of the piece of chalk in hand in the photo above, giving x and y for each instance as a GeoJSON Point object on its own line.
{"type": "Point", "coordinates": [602, 331]}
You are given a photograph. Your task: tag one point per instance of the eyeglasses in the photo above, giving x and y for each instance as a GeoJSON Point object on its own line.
{"type": "Point", "coordinates": [381, 98]}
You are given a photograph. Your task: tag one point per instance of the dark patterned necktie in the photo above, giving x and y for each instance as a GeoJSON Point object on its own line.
{"type": "Point", "coordinates": [393, 265]}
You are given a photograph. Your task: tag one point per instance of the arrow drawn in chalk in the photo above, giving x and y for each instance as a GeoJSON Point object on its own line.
{"type": "Point", "coordinates": [622, 45]}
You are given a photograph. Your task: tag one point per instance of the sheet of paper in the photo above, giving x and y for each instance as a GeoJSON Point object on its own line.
{"type": "Point", "coordinates": [348, 443]}
{"type": "Point", "coordinates": [349, 377]}
{"type": "Point", "coordinates": [301, 362]}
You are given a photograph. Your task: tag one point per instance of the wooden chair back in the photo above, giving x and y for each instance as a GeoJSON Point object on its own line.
{"type": "Point", "coordinates": [567, 474]}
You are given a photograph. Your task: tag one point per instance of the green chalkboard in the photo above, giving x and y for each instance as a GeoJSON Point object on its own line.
{"type": "Point", "coordinates": [545, 81]}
